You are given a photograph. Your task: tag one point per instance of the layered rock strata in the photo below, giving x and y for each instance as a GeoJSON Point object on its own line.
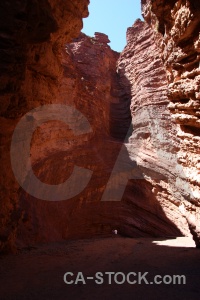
{"type": "Point", "coordinates": [181, 57]}
{"type": "Point", "coordinates": [161, 61]}
{"type": "Point", "coordinates": [155, 81]}
{"type": "Point", "coordinates": [91, 85]}
{"type": "Point", "coordinates": [153, 143]}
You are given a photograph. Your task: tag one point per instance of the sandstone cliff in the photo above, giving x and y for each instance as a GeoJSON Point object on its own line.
{"type": "Point", "coordinates": [92, 85]}
{"type": "Point", "coordinates": [161, 62]}
{"type": "Point", "coordinates": [32, 35]}
{"type": "Point", "coordinates": [178, 41]}
{"type": "Point", "coordinates": [154, 82]}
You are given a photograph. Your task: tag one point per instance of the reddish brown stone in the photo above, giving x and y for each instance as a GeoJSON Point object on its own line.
{"type": "Point", "coordinates": [31, 40]}
{"type": "Point", "coordinates": [155, 80]}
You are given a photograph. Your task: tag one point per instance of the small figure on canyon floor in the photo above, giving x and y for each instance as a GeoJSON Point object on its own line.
{"type": "Point", "coordinates": [115, 232]}
{"type": "Point", "coordinates": [192, 223]}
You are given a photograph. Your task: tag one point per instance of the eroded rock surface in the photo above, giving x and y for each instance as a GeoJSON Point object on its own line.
{"type": "Point", "coordinates": [162, 62]}
{"type": "Point", "coordinates": [153, 143]}
{"type": "Point", "coordinates": [92, 85]}
{"type": "Point", "coordinates": [155, 81]}
{"type": "Point", "coordinates": [31, 39]}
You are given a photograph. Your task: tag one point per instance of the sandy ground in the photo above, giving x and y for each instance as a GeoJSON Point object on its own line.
{"type": "Point", "coordinates": [38, 273]}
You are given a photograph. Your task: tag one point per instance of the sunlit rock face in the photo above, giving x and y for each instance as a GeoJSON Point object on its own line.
{"type": "Point", "coordinates": [153, 143]}
{"type": "Point", "coordinates": [164, 68]}
{"type": "Point", "coordinates": [181, 56]}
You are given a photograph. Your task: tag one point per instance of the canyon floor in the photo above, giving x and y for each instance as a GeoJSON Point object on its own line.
{"type": "Point", "coordinates": [37, 273]}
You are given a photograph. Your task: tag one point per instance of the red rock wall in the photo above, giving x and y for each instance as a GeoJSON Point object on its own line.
{"type": "Point", "coordinates": [153, 143]}
{"type": "Point", "coordinates": [181, 57]}
{"type": "Point", "coordinates": [31, 39]}
{"type": "Point", "coordinates": [91, 84]}
{"type": "Point", "coordinates": [161, 61]}
{"type": "Point", "coordinates": [88, 83]}
{"type": "Point", "coordinates": [160, 87]}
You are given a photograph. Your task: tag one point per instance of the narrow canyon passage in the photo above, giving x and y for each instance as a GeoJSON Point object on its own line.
{"type": "Point", "coordinates": [128, 121]}
{"type": "Point", "coordinates": [102, 94]}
